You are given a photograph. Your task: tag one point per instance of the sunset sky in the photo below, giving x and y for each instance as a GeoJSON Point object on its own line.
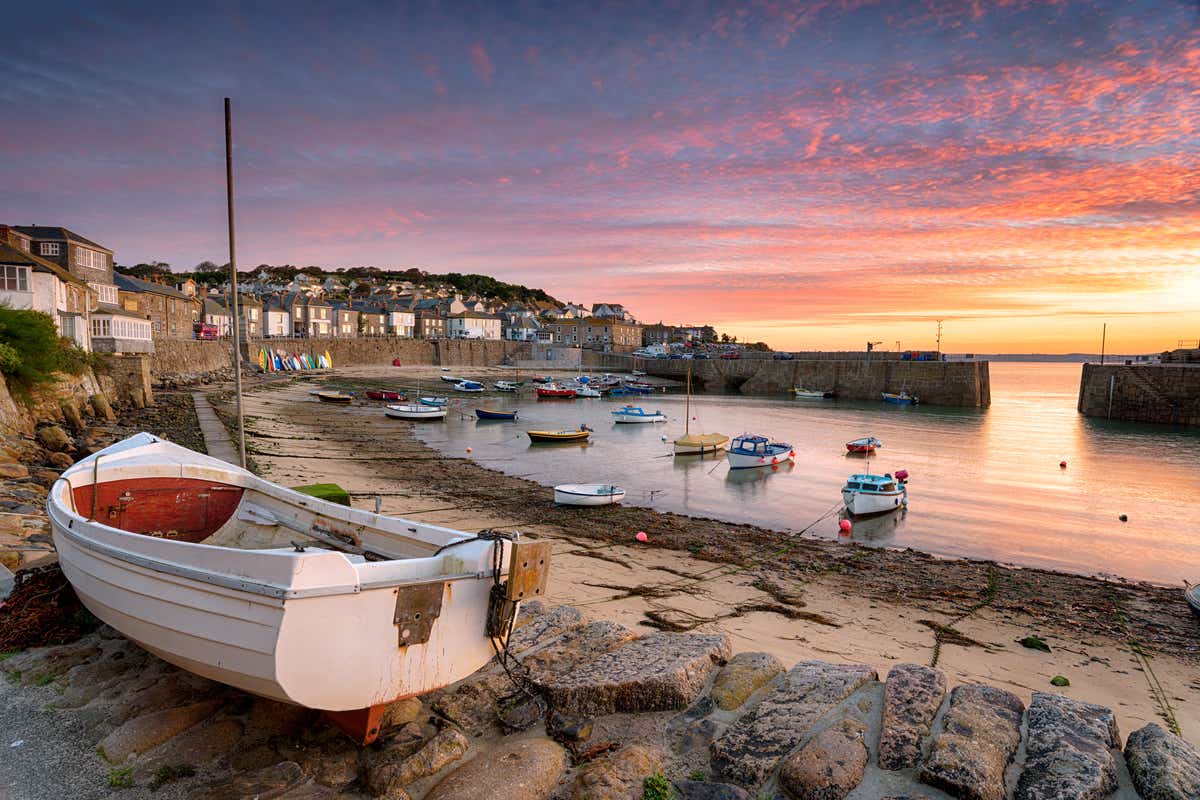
{"type": "Point", "coordinates": [813, 174]}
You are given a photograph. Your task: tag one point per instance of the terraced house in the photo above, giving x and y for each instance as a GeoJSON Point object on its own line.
{"type": "Point", "coordinates": [311, 317]}
{"type": "Point", "coordinates": [169, 310]}
{"type": "Point", "coordinates": [29, 281]}
{"type": "Point", "coordinates": [593, 333]}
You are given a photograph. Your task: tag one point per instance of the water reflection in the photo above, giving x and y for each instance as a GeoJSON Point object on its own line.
{"type": "Point", "coordinates": [983, 482]}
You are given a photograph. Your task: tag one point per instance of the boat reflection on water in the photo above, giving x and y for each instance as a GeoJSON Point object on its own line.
{"type": "Point", "coordinates": [760, 474]}
{"type": "Point", "coordinates": [873, 529]}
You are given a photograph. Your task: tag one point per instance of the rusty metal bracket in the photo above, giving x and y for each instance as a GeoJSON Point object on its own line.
{"type": "Point", "coordinates": [417, 607]}
{"type": "Point", "coordinates": [528, 570]}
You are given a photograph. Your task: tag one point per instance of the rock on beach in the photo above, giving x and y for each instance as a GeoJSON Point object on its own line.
{"type": "Point", "coordinates": [658, 672]}
{"type": "Point", "coordinates": [524, 769]}
{"type": "Point", "coordinates": [981, 732]}
{"type": "Point", "coordinates": [748, 751]}
{"type": "Point", "coordinates": [1069, 750]}
{"type": "Point", "coordinates": [911, 699]}
{"type": "Point", "coordinates": [830, 766]}
{"type": "Point", "coordinates": [1163, 766]}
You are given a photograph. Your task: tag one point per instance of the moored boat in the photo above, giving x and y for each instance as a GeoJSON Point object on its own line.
{"type": "Point", "coordinates": [630, 388]}
{"type": "Point", "coordinates": [334, 397]}
{"type": "Point", "coordinates": [433, 401]}
{"type": "Point", "coordinates": [247, 583]}
{"type": "Point", "coordinates": [415, 412]}
{"type": "Point", "coordinates": [902, 398]}
{"type": "Point", "coordinates": [873, 494]}
{"type": "Point", "coordinates": [1192, 595]}
{"type": "Point", "coordinates": [507, 386]}
{"type": "Point", "coordinates": [554, 391]}
{"type": "Point", "coordinates": [696, 444]}
{"type": "Point", "coordinates": [579, 435]}
{"type": "Point", "coordinates": [867, 444]}
{"type": "Point", "coordinates": [472, 387]}
{"type": "Point", "coordinates": [811, 394]}
{"type": "Point", "coordinates": [634, 414]}
{"type": "Point", "coordinates": [385, 394]}
{"type": "Point", "coordinates": [488, 413]}
{"type": "Point", "coordinates": [451, 379]}
{"type": "Point", "coordinates": [752, 450]}
{"type": "Point", "coordinates": [585, 391]}
{"type": "Point", "coordinates": [587, 494]}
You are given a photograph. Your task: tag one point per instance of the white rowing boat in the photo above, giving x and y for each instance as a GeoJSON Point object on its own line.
{"type": "Point", "coordinates": [588, 494]}
{"type": "Point", "coordinates": [225, 574]}
{"type": "Point", "coordinates": [415, 412]}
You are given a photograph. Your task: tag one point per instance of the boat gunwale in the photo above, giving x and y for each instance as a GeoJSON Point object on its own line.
{"type": "Point", "coordinates": [227, 580]}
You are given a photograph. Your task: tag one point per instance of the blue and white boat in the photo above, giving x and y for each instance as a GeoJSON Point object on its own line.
{"type": "Point", "coordinates": [903, 398]}
{"type": "Point", "coordinates": [473, 387]}
{"type": "Point", "coordinates": [637, 414]}
{"type": "Point", "coordinates": [751, 450]}
{"type": "Point", "coordinates": [631, 389]}
{"type": "Point", "coordinates": [873, 494]}
{"type": "Point", "coordinates": [433, 401]}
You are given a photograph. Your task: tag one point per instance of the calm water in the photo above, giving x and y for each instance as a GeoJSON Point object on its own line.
{"type": "Point", "coordinates": [984, 483]}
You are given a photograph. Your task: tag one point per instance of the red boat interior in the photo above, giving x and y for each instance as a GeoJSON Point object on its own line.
{"type": "Point", "coordinates": [187, 509]}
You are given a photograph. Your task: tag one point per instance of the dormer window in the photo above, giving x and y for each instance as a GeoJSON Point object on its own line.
{"type": "Point", "coordinates": [49, 248]}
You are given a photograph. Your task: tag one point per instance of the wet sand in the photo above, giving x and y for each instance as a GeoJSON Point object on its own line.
{"type": "Point", "coordinates": [1133, 647]}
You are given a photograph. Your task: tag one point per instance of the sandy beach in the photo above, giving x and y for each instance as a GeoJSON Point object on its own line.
{"type": "Point", "coordinates": [1133, 647]}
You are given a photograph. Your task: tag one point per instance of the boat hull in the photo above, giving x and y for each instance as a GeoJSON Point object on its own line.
{"type": "Point", "coordinates": [276, 622]}
{"type": "Point", "coordinates": [1192, 595]}
{"type": "Point", "coordinates": [747, 461]}
{"type": "Point", "coordinates": [862, 504]}
{"type": "Point", "coordinates": [571, 496]}
{"type": "Point", "coordinates": [415, 412]}
{"type": "Point", "coordinates": [545, 437]}
{"type": "Point", "coordinates": [483, 413]}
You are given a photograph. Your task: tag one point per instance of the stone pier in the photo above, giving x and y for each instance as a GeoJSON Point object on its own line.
{"type": "Point", "coordinates": [1161, 393]}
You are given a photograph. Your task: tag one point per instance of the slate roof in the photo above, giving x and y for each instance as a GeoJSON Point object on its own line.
{"type": "Point", "coordinates": [59, 233]}
{"type": "Point", "coordinates": [131, 284]}
{"type": "Point", "coordinates": [14, 255]}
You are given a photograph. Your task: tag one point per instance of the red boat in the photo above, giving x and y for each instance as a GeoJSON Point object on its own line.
{"type": "Point", "coordinates": [867, 444]}
{"type": "Point", "coordinates": [554, 390]}
{"type": "Point", "coordinates": [384, 394]}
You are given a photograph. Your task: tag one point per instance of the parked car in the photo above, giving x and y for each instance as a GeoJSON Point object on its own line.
{"type": "Point", "coordinates": [704, 356]}
{"type": "Point", "coordinates": [204, 330]}
{"type": "Point", "coordinates": [783, 357]}
{"type": "Point", "coordinates": [731, 355]}
{"type": "Point", "coordinates": [675, 356]}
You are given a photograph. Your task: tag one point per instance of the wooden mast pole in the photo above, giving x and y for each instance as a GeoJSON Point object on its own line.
{"type": "Point", "coordinates": [233, 290]}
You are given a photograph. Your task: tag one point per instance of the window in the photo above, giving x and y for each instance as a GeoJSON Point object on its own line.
{"type": "Point", "coordinates": [89, 258]}
{"type": "Point", "coordinates": [49, 248]}
{"type": "Point", "coordinates": [14, 279]}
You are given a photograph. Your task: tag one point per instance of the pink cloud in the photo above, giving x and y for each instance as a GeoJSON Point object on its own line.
{"type": "Point", "coordinates": [482, 63]}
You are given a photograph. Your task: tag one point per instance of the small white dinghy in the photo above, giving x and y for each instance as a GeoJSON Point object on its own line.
{"type": "Point", "coordinates": [415, 412]}
{"type": "Point", "coordinates": [225, 574]}
{"type": "Point", "coordinates": [587, 494]}
{"type": "Point", "coordinates": [873, 494]}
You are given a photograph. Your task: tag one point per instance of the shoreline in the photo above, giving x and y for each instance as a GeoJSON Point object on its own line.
{"type": "Point", "coordinates": [798, 598]}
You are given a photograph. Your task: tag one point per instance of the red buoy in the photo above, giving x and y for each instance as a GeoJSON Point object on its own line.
{"type": "Point", "coordinates": [845, 526]}
{"type": "Point", "coordinates": [1062, 464]}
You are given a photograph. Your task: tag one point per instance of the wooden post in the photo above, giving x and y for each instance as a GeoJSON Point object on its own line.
{"type": "Point", "coordinates": [233, 290]}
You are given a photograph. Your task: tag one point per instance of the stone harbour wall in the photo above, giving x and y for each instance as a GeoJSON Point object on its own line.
{"type": "Point", "coordinates": [192, 357]}
{"type": "Point", "coordinates": [1167, 394]}
{"type": "Point", "coordinates": [947, 383]}
{"type": "Point", "coordinates": [607, 709]}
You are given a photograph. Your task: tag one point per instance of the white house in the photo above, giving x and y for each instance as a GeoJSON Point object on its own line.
{"type": "Point", "coordinates": [401, 323]}
{"type": "Point", "coordinates": [276, 319]}
{"type": "Point", "coordinates": [30, 282]}
{"type": "Point", "coordinates": [473, 325]}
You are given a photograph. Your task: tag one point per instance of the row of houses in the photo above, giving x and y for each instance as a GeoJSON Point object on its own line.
{"type": "Point", "coordinates": [71, 278]}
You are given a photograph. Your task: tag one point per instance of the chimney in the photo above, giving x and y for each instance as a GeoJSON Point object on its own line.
{"type": "Point", "coordinates": [3, 234]}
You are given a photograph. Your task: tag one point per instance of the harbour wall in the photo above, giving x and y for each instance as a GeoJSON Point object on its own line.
{"type": "Point", "coordinates": [1166, 394]}
{"type": "Point", "coordinates": [947, 383]}
{"type": "Point", "coordinates": [193, 357]}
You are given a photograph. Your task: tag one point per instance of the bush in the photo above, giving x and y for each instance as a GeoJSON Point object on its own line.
{"type": "Point", "coordinates": [31, 350]}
